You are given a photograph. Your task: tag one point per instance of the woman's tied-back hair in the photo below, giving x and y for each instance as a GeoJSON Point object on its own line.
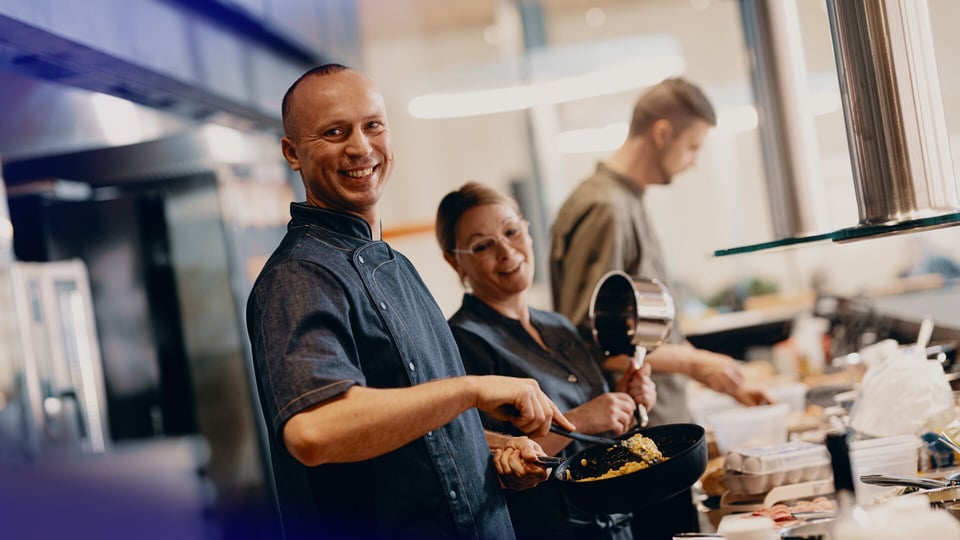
{"type": "Point", "coordinates": [674, 99]}
{"type": "Point", "coordinates": [456, 203]}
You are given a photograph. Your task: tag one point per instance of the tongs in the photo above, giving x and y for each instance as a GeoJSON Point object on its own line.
{"type": "Point", "coordinates": [945, 439]}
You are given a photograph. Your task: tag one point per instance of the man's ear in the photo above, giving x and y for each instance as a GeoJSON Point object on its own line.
{"type": "Point", "coordinates": [290, 153]}
{"type": "Point", "coordinates": [661, 131]}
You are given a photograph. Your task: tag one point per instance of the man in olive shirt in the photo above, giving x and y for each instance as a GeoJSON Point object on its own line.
{"type": "Point", "coordinates": [603, 226]}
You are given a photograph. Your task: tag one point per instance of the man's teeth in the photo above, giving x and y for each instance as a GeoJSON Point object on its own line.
{"type": "Point", "coordinates": [359, 174]}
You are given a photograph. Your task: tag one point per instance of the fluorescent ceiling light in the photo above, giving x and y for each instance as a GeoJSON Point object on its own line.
{"type": "Point", "coordinates": [625, 75]}
{"type": "Point", "coordinates": [118, 119]}
{"type": "Point", "coordinates": [730, 120]}
{"type": "Point", "coordinates": [226, 144]}
{"type": "Point", "coordinates": [6, 232]}
{"type": "Point", "coordinates": [579, 141]}
{"type": "Point", "coordinates": [737, 119]}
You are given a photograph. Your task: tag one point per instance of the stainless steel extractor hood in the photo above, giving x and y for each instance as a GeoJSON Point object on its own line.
{"type": "Point", "coordinates": [899, 147]}
{"type": "Point", "coordinates": [890, 89]}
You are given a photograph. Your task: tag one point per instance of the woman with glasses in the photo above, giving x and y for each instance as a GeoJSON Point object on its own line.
{"type": "Point", "coordinates": [486, 241]}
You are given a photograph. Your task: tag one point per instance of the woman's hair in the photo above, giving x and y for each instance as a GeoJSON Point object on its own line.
{"type": "Point", "coordinates": [456, 203]}
{"type": "Point", "coordinates": [675, 99]}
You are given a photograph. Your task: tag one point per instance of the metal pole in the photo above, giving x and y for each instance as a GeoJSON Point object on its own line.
{"type": "Point", "coordinates": [790, 156]}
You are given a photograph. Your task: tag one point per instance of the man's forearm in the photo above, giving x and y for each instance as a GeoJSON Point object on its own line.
{"type": "Point", "coordinates": [367, 422]}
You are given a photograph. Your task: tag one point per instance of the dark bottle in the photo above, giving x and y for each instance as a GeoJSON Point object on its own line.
{"type": "Point", "coordinates": [852, 521]}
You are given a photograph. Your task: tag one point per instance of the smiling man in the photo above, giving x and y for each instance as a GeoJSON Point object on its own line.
{"type": "Point", "coordinates": [374, 424]}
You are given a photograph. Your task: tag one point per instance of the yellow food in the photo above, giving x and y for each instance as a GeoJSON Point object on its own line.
{"type": "Point", "coordinates": [643, 447]}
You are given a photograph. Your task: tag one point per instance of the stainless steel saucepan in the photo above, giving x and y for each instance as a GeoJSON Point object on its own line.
{"type": "Point", "coordinates": [632, 316]}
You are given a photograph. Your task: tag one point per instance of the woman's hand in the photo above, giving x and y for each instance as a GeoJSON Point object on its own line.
{"type": "Point", "coordinates": [515, 459]}
{"type": "Point", "coordinates": [639, 385]}
{"type": "Point", "coordinates": [610, 412]}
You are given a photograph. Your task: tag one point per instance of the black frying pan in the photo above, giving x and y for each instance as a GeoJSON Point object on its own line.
{"type": "Point", "coordinates": [685, 447]}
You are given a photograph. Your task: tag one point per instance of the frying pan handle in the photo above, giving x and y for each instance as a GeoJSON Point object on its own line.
{"type": "Point", "coordinates": [583, 436]}
{"type": "Point", "coordinates": [549, 461]}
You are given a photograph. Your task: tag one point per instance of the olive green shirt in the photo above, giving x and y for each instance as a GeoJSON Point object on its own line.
{"type": "Point", "coordinates": [603, 226]}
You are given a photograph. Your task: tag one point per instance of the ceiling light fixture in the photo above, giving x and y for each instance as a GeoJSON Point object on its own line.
{"type": "Point", "coordinates": [622, 76]}
{"type": "Point", "coordinates": [734, 119]}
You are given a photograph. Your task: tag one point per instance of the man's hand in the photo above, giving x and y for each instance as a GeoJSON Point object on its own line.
{"type": "Point", "coordinates": [515, 460]}
{"type": "Point", "coordinates": [753, 396]}
{"type": "Point", "coordinates": [716, 371]}
{"type": "Point", "coordinates": [520, 402]}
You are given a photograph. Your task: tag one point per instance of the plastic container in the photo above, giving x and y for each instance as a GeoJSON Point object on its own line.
{"type": "Point", "coordinates": [750, 426]}
{"type": "Point", "coordinates": [749, 528]}
{"type": "Point", "coordinates": [705, 403]}
{"type": "Point", "coordinates": [896, 456]}
{"type": "Point", "coordinates": [751, 471]}
{"type": "Point", "coordinates": [794, 395]}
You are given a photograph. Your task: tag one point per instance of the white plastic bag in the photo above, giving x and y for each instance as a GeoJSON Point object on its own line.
{"type": "Point", "coordinates": [903, 394]}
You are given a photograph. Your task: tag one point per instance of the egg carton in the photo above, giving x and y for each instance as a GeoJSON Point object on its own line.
{"type": "Point", "coordinates": [760, 469]}
{"type": "Point", "coordinates": [749, 484]}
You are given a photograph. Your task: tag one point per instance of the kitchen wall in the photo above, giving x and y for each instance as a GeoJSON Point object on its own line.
{"type": "Point", "coordinates": [721, 203]}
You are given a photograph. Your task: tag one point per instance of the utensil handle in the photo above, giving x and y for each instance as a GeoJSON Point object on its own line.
{"type": "Point", "coordinates": [549, 461]}
{"type": "Point", "coordinates": [887, 480]}
{"type": "Point", "coordinates": [583, 436]}
{"type": "Point", "coordinates": [945, 439]}
{"type": "Point", "coordinates": [641, 413]}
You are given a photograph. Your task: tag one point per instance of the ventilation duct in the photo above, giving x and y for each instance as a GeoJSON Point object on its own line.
{"type": "Point", "coordinates": [899, 149]}
{"type": "Point", "coordinates": [890, 90]}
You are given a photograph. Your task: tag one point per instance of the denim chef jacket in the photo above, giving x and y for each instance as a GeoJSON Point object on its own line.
{"type": "Point", "coordinates": [332, 308]}
{"type": "Point", "coordinates": [494, 344]}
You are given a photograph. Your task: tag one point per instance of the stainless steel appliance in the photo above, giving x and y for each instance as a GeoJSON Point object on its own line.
{"type": "Point", "coordinates": [58, 391]}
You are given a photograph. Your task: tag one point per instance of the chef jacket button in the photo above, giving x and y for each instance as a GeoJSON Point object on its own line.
{"type": "Point", "coordinates": [572, 378]}
{"type": "Point", "coordinates": [411, 366]}
{"type": "Point", "coordinates": [429, 434]}
{"type": "Point", "coordinates": [453, 495]}
{"type": "Point", "coordinates": [360, 258]}
{"type": "Point", "coordinates": [383, 305]}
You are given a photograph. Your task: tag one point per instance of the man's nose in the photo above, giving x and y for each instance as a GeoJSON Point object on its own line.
{"type": "Point", "coordinates": [358, 144]}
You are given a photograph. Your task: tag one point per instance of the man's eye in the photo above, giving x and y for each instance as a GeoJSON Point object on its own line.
{"type": "Point", "coordinates": [376, 124]}
{"type": "Point", "coordinates": [335, 132]}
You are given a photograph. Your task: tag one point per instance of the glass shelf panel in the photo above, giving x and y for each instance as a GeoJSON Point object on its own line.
{"type": "Point", "coordinates": [849, 234]}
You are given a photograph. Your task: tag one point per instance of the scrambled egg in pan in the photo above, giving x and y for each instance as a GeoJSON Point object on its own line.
{"type": "Point", "coordinates": [643, 447]}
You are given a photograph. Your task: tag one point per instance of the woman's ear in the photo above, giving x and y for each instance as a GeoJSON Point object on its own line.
{"type": "Point", "coordinates": [452, 261]}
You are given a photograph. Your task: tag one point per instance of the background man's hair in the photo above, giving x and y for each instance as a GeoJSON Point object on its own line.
{"type": "Point", "coordinates": [674, 99]}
